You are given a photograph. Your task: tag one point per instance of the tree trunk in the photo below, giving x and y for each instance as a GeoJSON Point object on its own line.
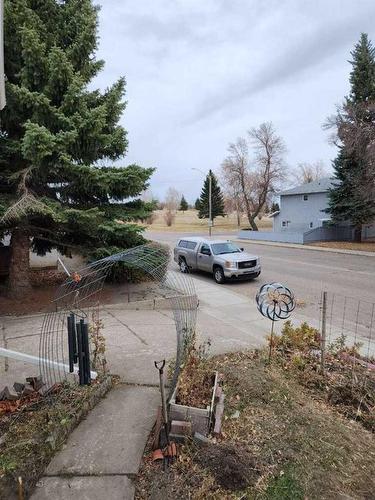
{"type": "Point", "coordinates": [19, 279]}
{"type": "Point", "coordinates": [252, 223]}
{"type": "Point", "coordinates": [358, 234]}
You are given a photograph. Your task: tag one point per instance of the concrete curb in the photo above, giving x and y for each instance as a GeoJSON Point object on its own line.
{"type": "Point", "coordinates": [147, 304]}
{"type": "Point", "coordinates": [308, 247]}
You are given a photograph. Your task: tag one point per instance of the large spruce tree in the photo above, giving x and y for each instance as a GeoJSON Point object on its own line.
{"type": "Point", "coordinates": [350, 200]}
{"type": "Point", "coordinates": [57, 133]}
{"type": "Point", "coordinates": [217, 198]}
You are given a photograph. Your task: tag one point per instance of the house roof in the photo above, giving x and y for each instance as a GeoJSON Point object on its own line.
{"type": "Point", "coordinates": [274, 213]}
{"type": "Point", "coordinates": [320, 186]}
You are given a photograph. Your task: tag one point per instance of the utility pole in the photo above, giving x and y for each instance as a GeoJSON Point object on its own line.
{"type": "Point", "coordinates": [209, 203]}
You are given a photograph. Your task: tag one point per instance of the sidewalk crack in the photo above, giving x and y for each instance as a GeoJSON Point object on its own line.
{"type": "Point", "coordinates": [127, 326]}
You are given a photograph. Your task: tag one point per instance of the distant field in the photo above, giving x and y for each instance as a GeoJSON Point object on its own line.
{"type": "Point", "coordinates": [189, 221]}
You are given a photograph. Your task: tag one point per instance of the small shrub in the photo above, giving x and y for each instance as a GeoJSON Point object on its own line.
{"type": "Point", "coordinates": [169, 217]}
{"type": "Point", "coordinates": [151, 219]}
{"type": "Point", "coordinates": [298, 362]}
{"type": "Point", "coordinates": [300, 338]}
{"type": "Point", "coordinates": [121, 272]}
{"type": "Point", "coordinates": [339, 346]}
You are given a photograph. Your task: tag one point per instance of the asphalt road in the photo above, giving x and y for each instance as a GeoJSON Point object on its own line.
{"type": "Point", "coordinates": [307, 273]}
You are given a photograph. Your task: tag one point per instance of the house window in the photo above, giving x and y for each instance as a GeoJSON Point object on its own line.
{"type": "Point", "coordinates": [305, 197]}
{"type": "Point", "coordinates": [311, 224]}
{"type": "Point", "coordinates": [284, 223]}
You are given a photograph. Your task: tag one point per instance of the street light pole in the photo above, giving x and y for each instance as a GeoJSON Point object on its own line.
{"type": "Point", "coordinates": [209, 203]}
{"type": "Point", "coordinates": [209, 197]}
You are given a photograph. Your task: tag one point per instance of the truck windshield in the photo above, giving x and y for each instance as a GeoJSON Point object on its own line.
{"type": "Point", "coordinates": [221, 248]}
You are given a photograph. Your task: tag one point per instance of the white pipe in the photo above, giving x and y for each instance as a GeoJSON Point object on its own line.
{"type": "Point", "coordinates": [63, 266]}
{"type": "Point", "coordinates": [34, 360]}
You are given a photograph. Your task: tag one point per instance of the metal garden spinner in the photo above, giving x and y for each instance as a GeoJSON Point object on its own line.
{"type": "Point", "coordinates": [275, 301]}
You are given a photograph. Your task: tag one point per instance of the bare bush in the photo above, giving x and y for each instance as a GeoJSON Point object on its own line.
{"type": "Point", "coordinates": [172, 199]}
{"type": "Point", "coordinates": [169, 217]}
{"type": "Point", "coordinates": [151, 219]}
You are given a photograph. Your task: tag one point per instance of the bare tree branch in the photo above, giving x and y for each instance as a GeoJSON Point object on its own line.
{"type": "Point", "coordinates": [309, 172]}
{"type": "Point", "coordinates": [255, 179]}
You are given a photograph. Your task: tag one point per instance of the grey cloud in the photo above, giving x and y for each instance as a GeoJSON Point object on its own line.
{"type": "Point", "coordinates": [194, 27]}
{"type": "Point", "coordinates": [200, 72]}
{"type": "Point", "coordinates": [323, 44]}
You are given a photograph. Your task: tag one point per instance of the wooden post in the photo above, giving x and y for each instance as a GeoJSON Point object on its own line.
{"type": "Point", "coordinates": [323, 333]}
{"type": "Point", "coordinates": [5, 342]}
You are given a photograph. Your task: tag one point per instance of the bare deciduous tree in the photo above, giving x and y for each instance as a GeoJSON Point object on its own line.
{"type": "Point", "coordinates": [309, 172]}
{"type": "Point", "coordinates": [172, 199]}
{"type": "Point", "coordinates": [255, 179]}
{"type": "Point", "coordinates": [232, 192]}
{"type": "Point", "coordinates": [171, 204]}
{"type": "Point", "coordinates": [169, 217]}
{"type": "Point", "coordinates": [232, 204]}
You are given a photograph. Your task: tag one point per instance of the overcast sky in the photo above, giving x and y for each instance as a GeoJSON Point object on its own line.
{"type": "Point", "coordinates": [200, 73]}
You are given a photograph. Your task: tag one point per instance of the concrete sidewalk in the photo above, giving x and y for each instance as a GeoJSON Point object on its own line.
{"type": "Point", "coordinates": [102, 456]}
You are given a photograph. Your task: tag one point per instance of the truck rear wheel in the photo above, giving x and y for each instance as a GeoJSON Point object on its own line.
{"type": "Point", "coordinates": [182, 265]}
{"type": "Point", "coordinates": [219, 275]}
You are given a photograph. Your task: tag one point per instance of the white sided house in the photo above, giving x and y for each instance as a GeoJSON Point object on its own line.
{"type": "Point", "coordinates": [302, 207]}
{"type": "Point", "coordinates": [302, 217]}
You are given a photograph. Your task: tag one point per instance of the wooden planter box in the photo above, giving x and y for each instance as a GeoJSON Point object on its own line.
{"type": "Point", "coordinates": [202, 419]}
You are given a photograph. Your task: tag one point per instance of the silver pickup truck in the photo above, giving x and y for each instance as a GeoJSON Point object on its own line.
{"type": "Point", "coordinates": [221, 258]}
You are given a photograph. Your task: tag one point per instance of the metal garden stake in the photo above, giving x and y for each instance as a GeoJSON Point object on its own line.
{"type": "Point", "coordinates": [170, 452]}
{"type": "Point", "coordinates": [160, 366]}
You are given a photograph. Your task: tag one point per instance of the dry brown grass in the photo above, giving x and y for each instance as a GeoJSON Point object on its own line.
{"type": "Point", "coordinates": [287, 445]}
{"type": "Point", "coordinates": [188, 221]}
{"type": "Point", "coordinates": [30, 437]}
{"type": "Point", "coordinates": [347, 245]}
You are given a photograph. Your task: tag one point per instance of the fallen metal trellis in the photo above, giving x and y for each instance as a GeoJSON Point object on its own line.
{"type": "Point", "coordinates": [78, 297]}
